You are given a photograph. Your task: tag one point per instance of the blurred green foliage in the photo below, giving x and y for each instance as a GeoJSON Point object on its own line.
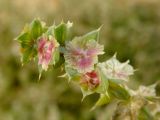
{"type": "Point", "coordinates": [130, 28]}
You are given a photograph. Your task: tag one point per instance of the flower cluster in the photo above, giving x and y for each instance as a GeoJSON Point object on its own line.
{"type": "Point", "coordinates": [53, 46]}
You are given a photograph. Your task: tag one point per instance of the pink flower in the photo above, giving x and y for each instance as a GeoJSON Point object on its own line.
{"type": "Point", "coordinates": [46, 48]}
{"type": "Point", "coordinates": [82, 55]}
{"type": "Point", "coordinates": [90, 80]}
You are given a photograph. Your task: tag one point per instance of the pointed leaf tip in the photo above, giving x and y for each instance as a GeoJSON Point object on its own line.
{"type": "Point", "coordinates": [93, 35]}
{"type": "Point", "coordinates": [39, 77]}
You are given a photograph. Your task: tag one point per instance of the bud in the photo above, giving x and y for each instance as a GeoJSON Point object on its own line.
{"type": "Point", "coordinates": [90, 80]}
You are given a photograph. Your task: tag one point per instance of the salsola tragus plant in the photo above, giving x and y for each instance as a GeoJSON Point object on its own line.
{"type": "Point", "coordinates": [52, 46]}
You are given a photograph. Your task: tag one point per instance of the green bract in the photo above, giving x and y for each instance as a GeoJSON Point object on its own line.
{"type": "Point", "coordinates": [28, 38]}
{"type": "Point", "coordinates": [62, 31]}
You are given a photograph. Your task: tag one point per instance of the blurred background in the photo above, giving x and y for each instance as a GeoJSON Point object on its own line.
{"type": "Point", "coordinates": [130, 27]}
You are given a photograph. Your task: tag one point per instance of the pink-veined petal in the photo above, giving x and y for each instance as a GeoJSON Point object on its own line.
{"type": "Point", "coordinates": [82, 55]}
{"type": "Point", "coordinates": [46, 48]}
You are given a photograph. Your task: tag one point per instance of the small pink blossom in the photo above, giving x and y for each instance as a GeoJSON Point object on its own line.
{"type": "Point", "coordinates": [46, 47]}
{"type": "Point", "coordinates": [82, 55]}
{"type": "Point", "coordinates": [90, 80]}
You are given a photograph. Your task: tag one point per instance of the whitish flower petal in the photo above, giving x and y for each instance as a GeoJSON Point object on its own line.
{"type": "Point", "coordinates": [113, 69]}
{"type": "Point", "coordinates": [148, 91]}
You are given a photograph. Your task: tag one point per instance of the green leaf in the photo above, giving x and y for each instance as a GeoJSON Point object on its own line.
{"type": "Point", "coordinates": [28, 54]}
{"type": "Point", "coordinates": [86, 92]}
{"type": "Point", "coordinates": [24, 39]}
{"type": "Point", "coordinates": [103, 87]}
{"type": "Point", "coordinates": [36, 29]}
{"type": "Point", "coordinates": [28, 38]}
{"type": "Point", "coordinates": [50, 30]}
{"type": "Point", "coordinates": [61, 32]}
{"type": "Point", "coordinates": [118, 91]}
{"type": "Point", "coordinates": [93, 35]}
{"type": "Point", "coordinates": [72, 73]}
{"type": "Point", "coordinates": [153, 99]}
{"type": "Point", "coordinates": [145, 114]}
{"type": "Point", "coordinates": [60, 61]}
{"type": "Point", "coordinates": [103, 99]}
{"type": "Point", "coordinates": [56, 57]}
{"type": "Point", "coordinates": [28, 49]}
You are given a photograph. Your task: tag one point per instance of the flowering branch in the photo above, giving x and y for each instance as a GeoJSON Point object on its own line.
{"type": "Point", "coordinates": [53, 47]}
